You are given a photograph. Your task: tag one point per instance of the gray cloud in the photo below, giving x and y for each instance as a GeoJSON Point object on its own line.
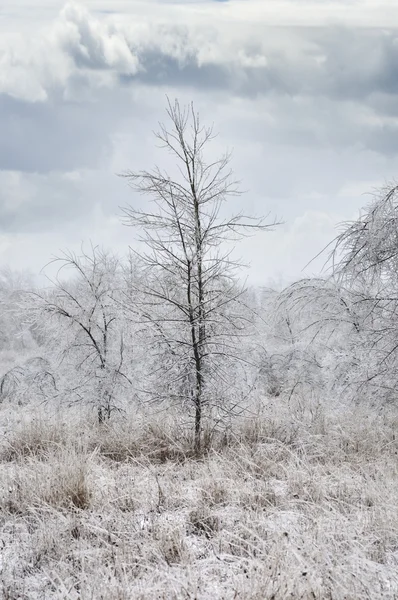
{"type": "Point", "coordinates": [41, 137]}
{"type": "Point", "coordinates": [311, 112]}
{"type": "Point", "coordinates": [61, 134]}
{"type": "Point", "coordinates": [31, 202]}
{"type": "Point", "coordinates": [330, 63]}
{"type": "Point", "coordinates": [248, 60]}
{"type": "Point", "coordinates": [317, 88]}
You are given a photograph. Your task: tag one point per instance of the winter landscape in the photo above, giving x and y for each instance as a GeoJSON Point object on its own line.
{"type": "Point", "coordinates": [199, 300]}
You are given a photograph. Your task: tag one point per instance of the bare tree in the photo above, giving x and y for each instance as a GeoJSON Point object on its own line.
{"type": "Point", "coordinates": [317, 305]}
{"type": "Point", "coordinates": [85, 320]}
{"type": "Point", "coordinates": [12, 333]}
{"type": "Point", "coordinates": [318, 327]}
{"type": "Point", "coordinates": [350, 319]}
{"type": "Point", "coordinates": [365, 261]}
{"type": "Point", "coordinates": [191, 296]}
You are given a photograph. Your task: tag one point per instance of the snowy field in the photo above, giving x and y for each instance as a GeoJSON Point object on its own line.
{"type": "Point", "coordinates": [294, 504]}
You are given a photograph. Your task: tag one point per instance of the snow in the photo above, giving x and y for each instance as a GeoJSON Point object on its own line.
{"type": "Point", "coordinates": [298, 514]}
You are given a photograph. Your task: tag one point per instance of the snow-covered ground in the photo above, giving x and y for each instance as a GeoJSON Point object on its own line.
{"type": "Point", "coordinates": [296, 503]}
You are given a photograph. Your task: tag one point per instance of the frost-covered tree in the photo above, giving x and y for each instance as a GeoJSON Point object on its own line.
{"type": "Point", "coordinates": [365, 261]}
{"type": "Point", "coordinates": [348, 322]}
{"type": "Point", "coordinates": [191, 296]}
{"type": "Point", "coordinates": [13, 336]}
{"type": "Point", "coordinates": [24, 372]}
{"type": "Point", "coordinates": [81, 315]}
{"type": "Point", "coordinates": [318, 326]}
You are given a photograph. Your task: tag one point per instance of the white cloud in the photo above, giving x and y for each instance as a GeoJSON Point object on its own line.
{"type": "Point", "coordinates": [92, 43]}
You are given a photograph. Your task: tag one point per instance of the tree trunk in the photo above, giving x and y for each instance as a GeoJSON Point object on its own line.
{"type": "Point", "coordinates": [198, 426]}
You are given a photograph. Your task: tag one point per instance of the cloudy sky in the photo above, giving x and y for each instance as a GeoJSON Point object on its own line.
{"type": "Point", "coordinates": [305, 93]}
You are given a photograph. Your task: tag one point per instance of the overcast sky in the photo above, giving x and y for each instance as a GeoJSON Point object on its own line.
{"type": "Point", "coordinates": [305, 93]}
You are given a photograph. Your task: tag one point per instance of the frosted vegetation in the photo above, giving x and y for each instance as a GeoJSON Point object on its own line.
{"type": "Point", "coordinates": [167, 433]}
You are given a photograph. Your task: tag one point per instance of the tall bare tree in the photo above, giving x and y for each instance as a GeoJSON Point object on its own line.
{"type": "Point", "coordinates": [191, 296]}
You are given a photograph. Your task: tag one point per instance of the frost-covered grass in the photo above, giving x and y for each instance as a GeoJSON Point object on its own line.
{"type": "Point", "coordinates": [299, 501]}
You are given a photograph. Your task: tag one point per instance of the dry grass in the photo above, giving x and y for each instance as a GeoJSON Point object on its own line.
{"type": "Point", "coordinates": [61, 480]}
{"type": "Point", "coordinates": [33, 439]}
{"type": "Point", "coordinates": [300, 504]}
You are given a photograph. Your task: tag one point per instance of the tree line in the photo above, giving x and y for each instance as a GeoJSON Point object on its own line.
{"type": "Point", "coordinates": [171, 324]}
